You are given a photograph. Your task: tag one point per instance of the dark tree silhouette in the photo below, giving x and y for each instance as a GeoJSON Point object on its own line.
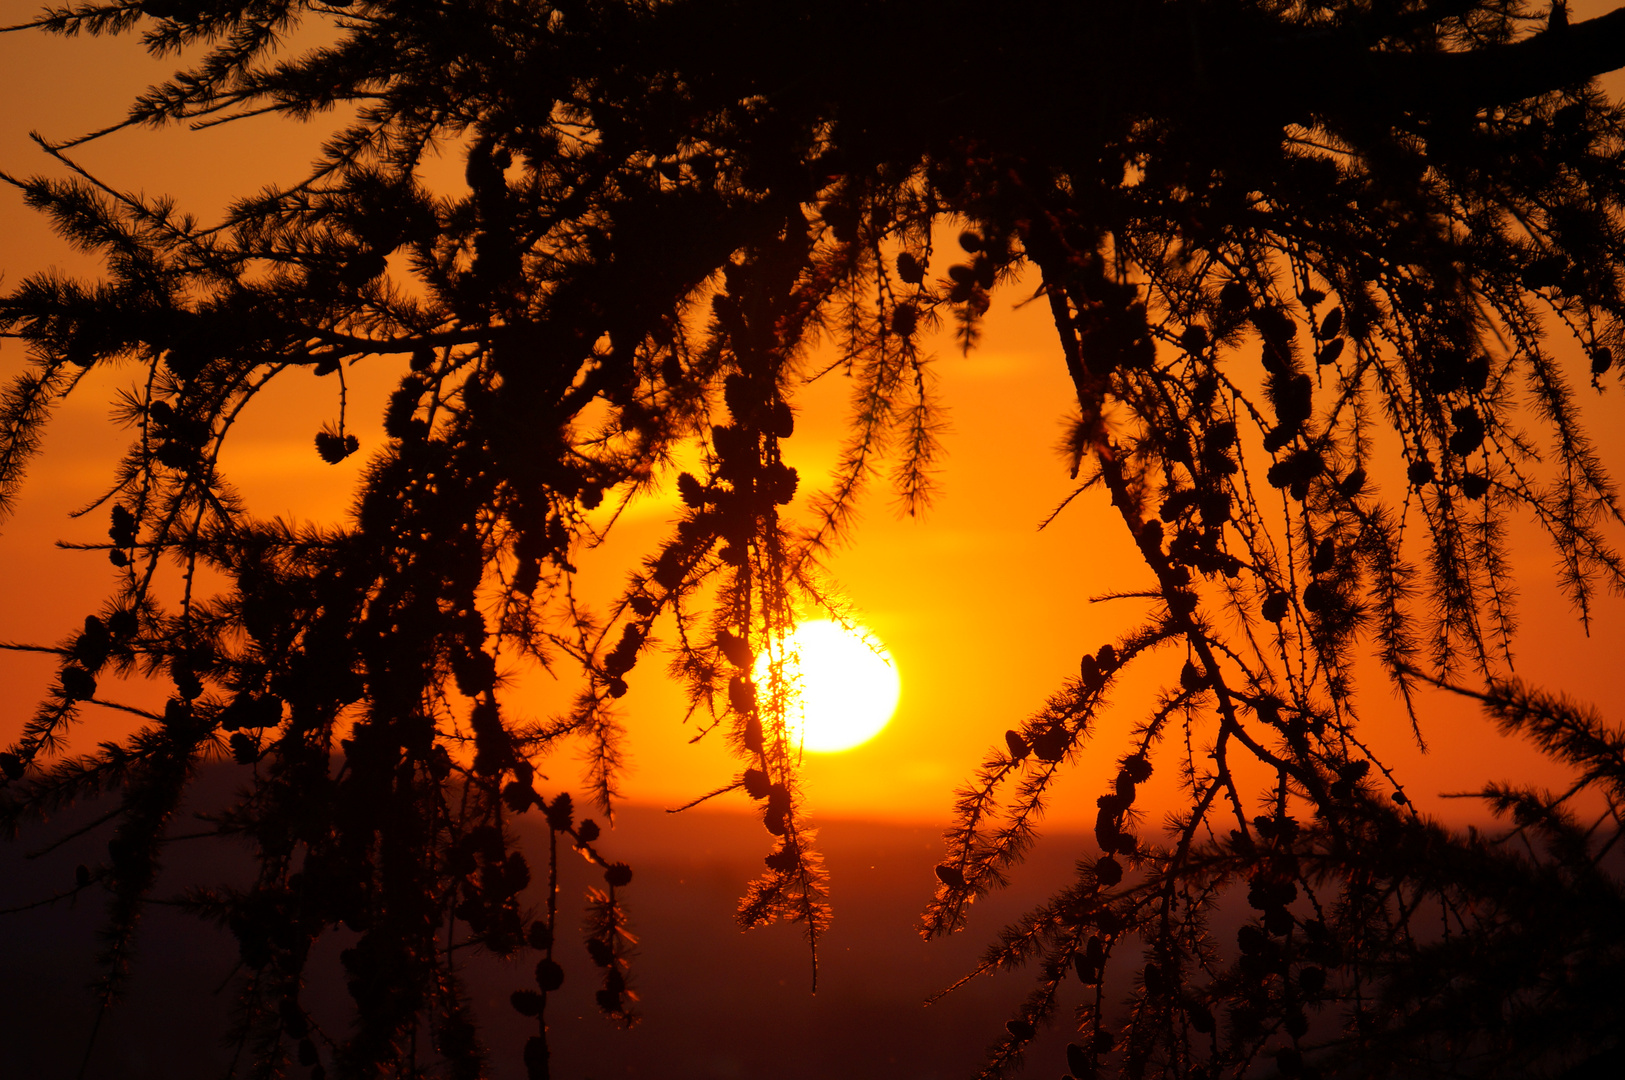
{"type": "Point", "coordinates": [1267, 231]}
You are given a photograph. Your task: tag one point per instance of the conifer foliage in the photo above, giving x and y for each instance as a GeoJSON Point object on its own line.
{"type": "Point", "coordinates": [1289, 246]}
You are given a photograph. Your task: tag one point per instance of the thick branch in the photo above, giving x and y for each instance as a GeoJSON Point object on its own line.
{"type": "Point", "coordinates": [1499, 74]}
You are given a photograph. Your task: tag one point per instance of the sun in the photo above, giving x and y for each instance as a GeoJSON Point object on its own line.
{"type": "Point", "coordinates": [844, 686]}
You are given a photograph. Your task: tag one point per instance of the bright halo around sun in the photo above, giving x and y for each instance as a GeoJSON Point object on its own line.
{"type": "Point", "coordinates": [843, 689]}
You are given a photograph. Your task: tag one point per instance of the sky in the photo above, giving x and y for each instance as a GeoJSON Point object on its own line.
{"type": "Point", "coordinates": [983, 613]}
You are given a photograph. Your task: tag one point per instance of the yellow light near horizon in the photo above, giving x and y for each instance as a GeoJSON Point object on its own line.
{"type": "Point", "coordinates": [843, 688]}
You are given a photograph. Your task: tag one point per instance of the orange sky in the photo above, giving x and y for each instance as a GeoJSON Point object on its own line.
{"type": "Point", "coordinates": [983, 614]}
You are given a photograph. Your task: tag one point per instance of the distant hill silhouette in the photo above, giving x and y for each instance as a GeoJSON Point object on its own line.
{"type": "Point", "coordinates": [716, 1002]}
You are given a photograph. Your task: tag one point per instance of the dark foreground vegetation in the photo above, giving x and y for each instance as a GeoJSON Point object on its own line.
{"type": "Point", "coordinates": [1308, 263]}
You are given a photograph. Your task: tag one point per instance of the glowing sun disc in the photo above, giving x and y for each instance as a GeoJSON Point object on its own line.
{"type": "Point", "coordinates": [844, 689]}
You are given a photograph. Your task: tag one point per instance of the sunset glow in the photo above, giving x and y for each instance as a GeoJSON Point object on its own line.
{"type": "Point", "coordinates": [976, 559]}
{"type": "Point", "coordinates": [846, 687]}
